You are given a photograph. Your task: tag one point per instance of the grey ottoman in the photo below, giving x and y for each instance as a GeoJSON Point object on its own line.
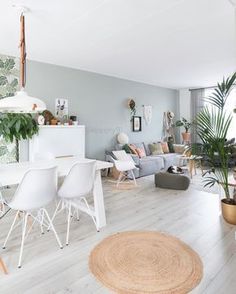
{"type": "Point", "coordinates": [171, 181]}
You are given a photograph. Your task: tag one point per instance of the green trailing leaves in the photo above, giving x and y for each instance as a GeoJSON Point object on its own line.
{"type": "Point", "coordinates": [14, 126]}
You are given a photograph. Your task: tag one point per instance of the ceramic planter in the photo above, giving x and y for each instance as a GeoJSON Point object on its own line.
{"type": "Point", "coordinates": [228, 212]}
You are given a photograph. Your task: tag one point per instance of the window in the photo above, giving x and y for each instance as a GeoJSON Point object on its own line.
{"type": "Point", "coordinates": [230, 106]}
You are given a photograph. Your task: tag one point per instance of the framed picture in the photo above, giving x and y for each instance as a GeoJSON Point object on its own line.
{"type": "Point", "coordinates": [61, 108]}
{"type": "Point", "coordinates": [137, 123]}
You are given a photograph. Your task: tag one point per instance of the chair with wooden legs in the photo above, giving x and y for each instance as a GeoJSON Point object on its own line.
{"type": "Point", "coordinates": [2, 265]}
{"type": "Point", "coordinates": [125, 165]}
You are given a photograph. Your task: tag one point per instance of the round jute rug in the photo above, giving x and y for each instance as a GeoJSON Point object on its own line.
{"type": "Point", "coordinates": [145, 262]}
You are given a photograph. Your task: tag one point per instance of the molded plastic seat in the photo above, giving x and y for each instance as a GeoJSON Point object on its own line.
{"type": "Point", "coordinates": [77, 185]}
{"type": "Point", "coordinates": [36, 190]}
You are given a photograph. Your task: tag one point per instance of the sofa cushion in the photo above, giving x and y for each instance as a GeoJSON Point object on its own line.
{"type": "Point", "coordinates": [150, 165]}
{"type": "Point", "coordinates": [179, 148]}
{"type": "Point", "coordinates": [133, 149]}
{"type": "Point", "coordinates": [141, 152]}
{"type": "Point", "coordinates": [155, 148]}
{"type": "Point", "coordinates": [165, 147]}
{"type": "Point", "coordinates": [170, 159]}
{"type": "Point", "coordinates": [126, 148]}
{"type": "Point", "coordinates": [171, 147]}
{"type": "Point", "coordinates": [147, 150]}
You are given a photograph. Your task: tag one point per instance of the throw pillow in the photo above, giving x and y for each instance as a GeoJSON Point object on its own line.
{"type": "Point", "coordinates": [171, 147]}
{"type": "Point", "coordinates": [156, 148]}
{"type": "Point", "coordinates": [179, 148]}
{"type": "Point", "coordinates": [133, 149]}
{"type": "Point", "coordinates": [141, 152]}
{"type": "Point", "coordinates": [165, 147]}
{"type": "Point", "coordinates": [126, 148]}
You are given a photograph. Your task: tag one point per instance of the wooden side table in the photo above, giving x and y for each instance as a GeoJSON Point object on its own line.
{"type": "Point", "coordinates": [2, 265]}
{"type": "Point", "coordinates": [193, 160]}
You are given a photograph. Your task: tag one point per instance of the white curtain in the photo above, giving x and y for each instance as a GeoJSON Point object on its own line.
{"type": "Point", "coordinates": [197, 103]}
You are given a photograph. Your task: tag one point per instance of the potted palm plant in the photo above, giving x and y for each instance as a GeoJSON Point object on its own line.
{"type": "Point", "coordinates": [212, 127]}
{"type": "Point", "coordinates": [186, 125]}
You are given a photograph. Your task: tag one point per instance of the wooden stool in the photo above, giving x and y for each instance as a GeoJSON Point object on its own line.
{"type": "Point", "coordinates": [2, 265]}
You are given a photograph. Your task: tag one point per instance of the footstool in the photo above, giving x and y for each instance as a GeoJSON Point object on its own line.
{"type": "Point", "coordinates": [167, 180]}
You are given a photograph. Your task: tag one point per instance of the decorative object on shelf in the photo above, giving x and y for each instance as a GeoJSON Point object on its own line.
{"type": "Point", "coordinates": [147, 114]}
{"type": "Point", "coordinates": [122, 138]}
{"type": "Point", "coordinates": [132, 107]}
{"type": "Point", "coordinates": [137, 123]}
{"type": "Point", "coordinates": [41, 120]}
{"type": "Point", "coordinates": [187, 125]}
{"type": "Point", "coordinates": [48, 116]}
{"type": "Point", "coordinates": [168, 130]}
{"type": "Point", "coordinates": [61, 108]}
{"type": "Point", "coordinates": [73, 117]}
{"type": "Point", "coordinates": [73, 120]}
{"type": "Point", "coordinates": [214, 138]}
{"type": "Point", "coordinates": [54, 122]}
{"type": "Point", "coordinates": [22, 102]}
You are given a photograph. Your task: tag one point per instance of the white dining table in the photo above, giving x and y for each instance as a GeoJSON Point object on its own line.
{"type": "Point", "coordinates": [12, 174]}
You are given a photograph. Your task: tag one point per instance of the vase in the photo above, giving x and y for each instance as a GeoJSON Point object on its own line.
{"type": "Point", "coordinates": [228, 211]}
{"type": "Point", "coordinates": [186, 137]}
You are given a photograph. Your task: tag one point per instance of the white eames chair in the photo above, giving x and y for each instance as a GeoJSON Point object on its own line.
{"type": "Point", "coordinates": [77, 185]}
{"type": "Point", "coordinates": [36, 190]}
{"type": "Point", "coordinates": [124, 164]}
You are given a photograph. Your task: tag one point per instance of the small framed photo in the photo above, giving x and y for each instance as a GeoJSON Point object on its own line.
{"type": "Point", "coordinates": [137, 123]}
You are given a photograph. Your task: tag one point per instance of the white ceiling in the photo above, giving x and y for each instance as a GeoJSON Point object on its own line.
{"type": "Point", "coordinates": [171, 43]}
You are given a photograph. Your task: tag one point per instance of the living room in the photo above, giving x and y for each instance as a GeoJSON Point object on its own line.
{"type": "Point", "coordinates": [117, 155]}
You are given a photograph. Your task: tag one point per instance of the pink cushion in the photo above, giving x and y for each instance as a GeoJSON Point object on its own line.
{"type": "Point", "coordinates": [141, 152]}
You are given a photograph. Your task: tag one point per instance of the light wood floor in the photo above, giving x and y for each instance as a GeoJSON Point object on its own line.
{"type": "Point", "coordinates": [192, 215]}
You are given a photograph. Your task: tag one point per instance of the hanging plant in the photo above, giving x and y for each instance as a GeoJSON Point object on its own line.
{"type": "Point", "coordinates": [17, 126]}
{"type": "Point", "coordinates": [132, 107]}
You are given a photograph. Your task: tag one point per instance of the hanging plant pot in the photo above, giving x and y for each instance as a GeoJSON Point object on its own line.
{"type": "Point", "coordinates": [229, 211]}
{"type": "Point", "coordinates": [186, 136]}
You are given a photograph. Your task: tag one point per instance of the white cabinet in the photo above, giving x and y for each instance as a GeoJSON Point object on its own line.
{"type": "Point", "coordinates": [61, 141]}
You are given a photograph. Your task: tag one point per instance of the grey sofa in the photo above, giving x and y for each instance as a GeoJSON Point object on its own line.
{"type": "Point", "coordinates": [150, 164]}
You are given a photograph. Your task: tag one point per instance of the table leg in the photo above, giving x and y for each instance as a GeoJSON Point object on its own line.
{"type": "Point", "coordinates": [191, 168]}
{"type": "Point", "coordinates": [195, 169]}
{"type": "Point", "coordinates": [99, 201]}
{"type": "Point", "coordinates": [3, 266]}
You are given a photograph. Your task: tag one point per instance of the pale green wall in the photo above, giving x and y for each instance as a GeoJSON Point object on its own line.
{"type": "Point", "coordinates": [100, 103]}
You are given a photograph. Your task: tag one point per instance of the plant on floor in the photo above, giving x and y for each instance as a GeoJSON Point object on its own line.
{"type": "Point", "coordinates": [17, 126]}
{"type": "Point", "coordinates": [212, 127]}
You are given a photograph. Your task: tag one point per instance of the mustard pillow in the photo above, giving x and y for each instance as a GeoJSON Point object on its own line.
{"type": "Point", "coordinates": [155, 149]}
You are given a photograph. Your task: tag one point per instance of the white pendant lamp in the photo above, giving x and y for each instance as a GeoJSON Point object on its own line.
{"type": "Point", "coordinates": [22, 102]}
